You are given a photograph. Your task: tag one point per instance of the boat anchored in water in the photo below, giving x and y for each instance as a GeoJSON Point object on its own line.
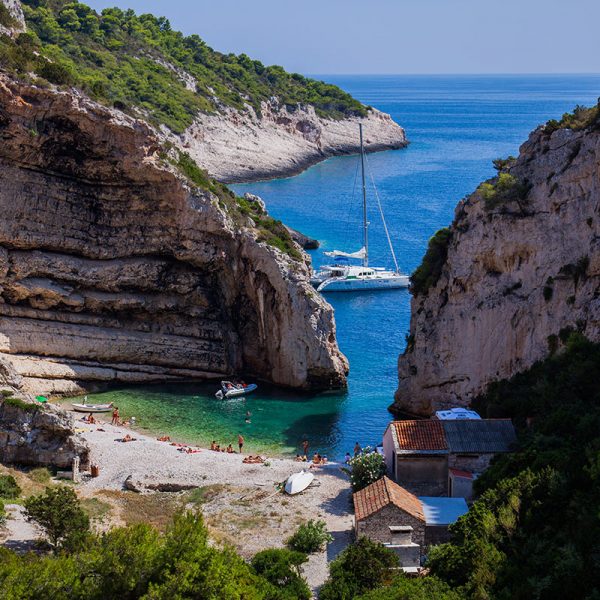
{"type": "Point", "coordinates": [343, 276]}
{"type": "Point", "coordinates": [230, 389]}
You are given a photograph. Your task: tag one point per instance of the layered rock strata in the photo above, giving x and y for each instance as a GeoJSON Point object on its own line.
{"type": "Point", "coordinates": [113, 269]}
{"type": "Point", "coordinates": [518, 277]}
{"type": "Point", "coordinates": [236, 146]}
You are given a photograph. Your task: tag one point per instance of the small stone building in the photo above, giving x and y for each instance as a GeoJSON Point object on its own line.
{"type": "Point", "coordinates": [387, 513]}
{"type": "Point", "coordinates": [420, 454]}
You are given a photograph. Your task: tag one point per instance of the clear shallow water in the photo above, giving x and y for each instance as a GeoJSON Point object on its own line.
{"type": "Point", "coordinates": [456, 125]}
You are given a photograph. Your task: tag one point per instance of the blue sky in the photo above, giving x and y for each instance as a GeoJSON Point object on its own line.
{"type": "Point", "coordinates": [394, 36]}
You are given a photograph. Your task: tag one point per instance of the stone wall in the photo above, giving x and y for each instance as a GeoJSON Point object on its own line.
{"type": "Point", "coordinates": [475, 463]}
{"type": "Point", "coordinates": [377, 525]}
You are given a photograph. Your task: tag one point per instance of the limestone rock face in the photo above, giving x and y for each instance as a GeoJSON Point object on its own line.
{"type": "Point", "coordinates": [113, 269]}
{"type": "Point", "coordinates": [17, 19]}
{"type": "Point", "coordinates": [42, 438]}
{"type": "Point", "coordinates": [514, 278]}
{"type": "Point", "coordinates": [238, 146]}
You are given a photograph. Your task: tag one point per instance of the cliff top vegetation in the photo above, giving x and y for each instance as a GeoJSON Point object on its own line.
{"type": "Point", "coordinates": [139, 64]}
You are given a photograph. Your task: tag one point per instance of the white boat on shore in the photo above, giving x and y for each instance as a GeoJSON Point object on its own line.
{"type": "Point", "coordinates": [93, 408]}
{"type": "Point", "coordinates": [298, 482]}
{"type": "Point", "coordinates": [234, 390]}
{"type": "Point", "coordinates": [342, 276]}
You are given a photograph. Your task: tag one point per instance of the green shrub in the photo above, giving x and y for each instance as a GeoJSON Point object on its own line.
{"type": "Point", "coordinates": [581, 118]}
{"type": "Point", "coordinates": [9, 488]}
{"type": "Point", "coordinates": [418, 588]}
{"type": "Point", "coordinates": [137, 562]}
{"type": "Point", "coordinates": [363, 566]}
{"type": "Point", "coordinates": [281, 568]}
{"type": "Point", "coordinates": [40, 475]}
{"type": "Point", "coordinates": [6, 17]}
{"type": "Point", "coordinates": [502, 164]}
{"type": "Point", "coordinates": [21, 404]}
{"type": "Point", "coordinates": [56, 73]}
{"type": "Point", "coordinates": [504, 189]}
{"type": "Point", "coordinates": [428, 272]}
{"type": "Point", "coordinates": [365, 469]}
{"type": "Point", "coordinates": [310, 537]}
{"type": "Point", "coordinates": [58, 512]}
{"type": "Point", "coordinates": [6, 393]}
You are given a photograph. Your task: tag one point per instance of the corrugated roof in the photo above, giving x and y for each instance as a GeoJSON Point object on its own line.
{"type": "Point", "coordinates": [382, 493]}
{"type": "Point", "coordinates": [420, 435]}
{"type": "Point", "coordinates": [476, 437]}
{"type": "Point", "coordinates": [443, 511]}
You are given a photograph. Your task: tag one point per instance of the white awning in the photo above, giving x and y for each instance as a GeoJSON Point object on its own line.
{"type": "Point", "coordinates": [359, 254]}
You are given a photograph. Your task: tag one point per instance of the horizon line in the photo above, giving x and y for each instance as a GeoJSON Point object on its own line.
{"type": "Point", "coordinates": [499, 74]}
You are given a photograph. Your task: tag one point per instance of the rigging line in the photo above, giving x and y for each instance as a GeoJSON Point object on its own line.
{"type": "Point", "coordinates": [351, 202]}
{"type": "Point", "coordinates": [387, 233]}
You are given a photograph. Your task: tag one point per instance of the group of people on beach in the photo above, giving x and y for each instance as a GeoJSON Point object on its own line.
{"type": "Point", "coordinates": [229, 449]}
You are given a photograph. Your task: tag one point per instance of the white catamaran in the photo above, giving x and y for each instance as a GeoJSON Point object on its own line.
{"type": "Point", "coordinates": [342, 276]}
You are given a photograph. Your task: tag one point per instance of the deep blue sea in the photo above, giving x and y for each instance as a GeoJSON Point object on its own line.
{"type": "Point", "coordinates": [456, 126]}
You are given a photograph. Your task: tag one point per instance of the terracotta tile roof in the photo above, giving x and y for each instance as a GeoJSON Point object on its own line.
{"type": "Point", "coordinates": [420, 435]}
{"type": "Point", "coordinates": [382, 493]}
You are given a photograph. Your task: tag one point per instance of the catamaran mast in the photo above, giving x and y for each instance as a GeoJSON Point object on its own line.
{"type": "Point", "coordinates": [364, 189]}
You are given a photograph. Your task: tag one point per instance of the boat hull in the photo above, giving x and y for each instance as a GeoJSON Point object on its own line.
{"type": "Point", "coordinates": [298, 482]}
{"type": "Point", "coordinates": [358, 285]}
{"type": "Point", "coordinates": [236, 393]}
{"type": "Point", "coordinates": [92, 408]}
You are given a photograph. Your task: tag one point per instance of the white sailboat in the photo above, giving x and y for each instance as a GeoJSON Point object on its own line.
{"type": "Point", "coordinates": [342, 276]}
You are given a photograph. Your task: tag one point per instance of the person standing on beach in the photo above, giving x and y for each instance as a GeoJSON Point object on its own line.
{"type": "Point", "coordinates": [115, 416]}
{"type": "Point", "coordinates": [357, 449]}
{"type": "Point", "coordinates": [240, 442]}
{"type": "Point", "coordinates": [305, 447]}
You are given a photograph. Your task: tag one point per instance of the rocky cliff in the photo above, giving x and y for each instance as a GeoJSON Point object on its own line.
{"type": "Point", "coordinates": [239, 119]}
{"type": "Point", "coordinates": [12, 20]}
{"type": "Point", "coordinates": [237, 146]}
{"type": "Point", "coordinates": [522, 271]}
{"type": "Point", "coordinates": [113, 268]}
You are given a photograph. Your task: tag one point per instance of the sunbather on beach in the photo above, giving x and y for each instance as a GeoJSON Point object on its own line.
{"type": "Point", "coordinates": [213, 445]}
{"type": "Point", "coordinates": [230, 449]}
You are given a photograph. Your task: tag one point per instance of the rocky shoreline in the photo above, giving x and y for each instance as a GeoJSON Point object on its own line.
{"type": "Point", "coordinates": [241, 147]}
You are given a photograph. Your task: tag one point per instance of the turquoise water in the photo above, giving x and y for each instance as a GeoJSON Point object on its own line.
{"type": "Point", "coordinates": [456, 125]}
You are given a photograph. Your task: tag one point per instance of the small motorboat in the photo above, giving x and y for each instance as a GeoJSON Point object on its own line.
{"type": "Point", "coordinates": [234, 390]}
{"type": "Point", "coordinates": [93, 408]}
{"type": "Point", "coordinates": [298, 482]}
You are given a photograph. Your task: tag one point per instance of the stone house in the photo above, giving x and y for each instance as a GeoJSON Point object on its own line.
{"type": "Point", "coordinates": [420, 454]}
{"type": "Point", "coordinates": [387, 513]}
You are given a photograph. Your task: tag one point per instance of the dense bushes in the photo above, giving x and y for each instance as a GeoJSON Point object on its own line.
{"type": "Point", "coordinates": [365, 468]}
{"type": "Point", "coordinates": [361, 567]}
{"type": "Point", "coordinates": [61, 517]}
{"type": "Point", "coordinates": [137, 562]}
{"type": "Point", "coordinates": [9, 488]}
{"type": "Point", "coordinates": [430, 269]}
{"type": "Point", "coordinates": [310, 537]}
{"type": "Point", "coordinates": [504, 189]}
{"type": "Point", "coordinates": [137, 61]}
{"type": "Point", "coordinates": [581, 118]}
{"type": "Point", "coordinates": [534, 532]}
{"type": "Point", "coordinates": [281, 568]}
